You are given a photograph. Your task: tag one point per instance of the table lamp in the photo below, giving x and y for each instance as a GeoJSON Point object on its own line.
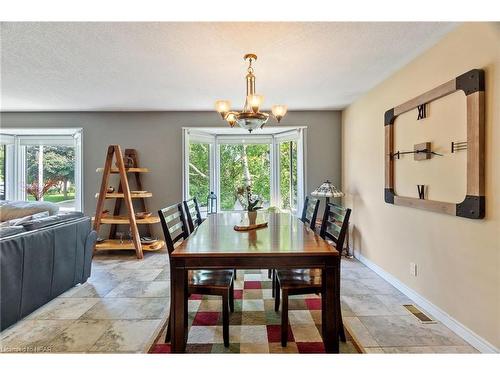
{"type": "Point", "coordinates": [327, 190]}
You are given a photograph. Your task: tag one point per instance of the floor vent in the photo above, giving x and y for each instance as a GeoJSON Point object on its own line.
{"type": "Point", "coordinates": [419, 314]}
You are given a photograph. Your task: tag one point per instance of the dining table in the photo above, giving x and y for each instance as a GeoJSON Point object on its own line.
{"type": "Point", "coordinates": [285, 243]}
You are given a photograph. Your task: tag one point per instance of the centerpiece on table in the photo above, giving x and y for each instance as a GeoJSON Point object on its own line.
{"type": "Point", "coordinates": [253, 204]}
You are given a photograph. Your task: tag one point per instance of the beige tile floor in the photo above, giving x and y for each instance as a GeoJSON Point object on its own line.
{"type": "Point", "coordinates": [121, 308]}
{"type": "Point", "coordinates": [124, 305]}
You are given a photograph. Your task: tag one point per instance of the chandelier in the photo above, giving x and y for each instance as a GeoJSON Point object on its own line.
{"type": "Point", "coordinates": [250, 118]}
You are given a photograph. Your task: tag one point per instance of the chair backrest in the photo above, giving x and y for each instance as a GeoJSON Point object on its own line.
{"type": "Point", "coordinates": [193, 214]}
{"type": "Point", "coordinates": [310, 212]}
{"type": "Point", "coordinates": [174, 225]}
{"type": "Point", "coordinates": [335, 224]}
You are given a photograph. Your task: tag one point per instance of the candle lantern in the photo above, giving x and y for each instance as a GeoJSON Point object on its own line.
{"type": "Point", "coordinates": [211, 203]}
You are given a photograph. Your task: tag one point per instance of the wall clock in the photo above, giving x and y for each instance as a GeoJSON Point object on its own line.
{"type": "Point", "coordinates": [473, 204]}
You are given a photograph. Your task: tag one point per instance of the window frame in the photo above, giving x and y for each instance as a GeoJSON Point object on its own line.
{"type": "Point", "coordinates": [199, 137]}
{"type": "Point", "coordinates": [4, 170]}
{"type": "Point", "coordinates": [17, 139]}
{"type": "Point", "coordinates": [297, 134]}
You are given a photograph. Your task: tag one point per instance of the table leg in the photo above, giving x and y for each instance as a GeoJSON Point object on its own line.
{"type": "Point", "coordinates": [329, 307]}
{"type": "Point", "coordinates": [179, 309]}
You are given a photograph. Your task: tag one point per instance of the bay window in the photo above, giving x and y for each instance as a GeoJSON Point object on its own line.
{"type": "Point", "coordinates": [229, 162]}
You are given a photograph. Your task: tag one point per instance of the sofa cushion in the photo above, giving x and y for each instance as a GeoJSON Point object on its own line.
{"type": "Point", "coordinates": [25, 219]}
{"type": "Point", "coordinates": [10, 231]}
{"type": "Point", "coordinates": [65, 254]}
{"type": "Point", "coordinates": [16, 209]}
{"type": "Point", "coordinates": [51, 220]}
{"type": "Point", "coordinates": [37, 270]}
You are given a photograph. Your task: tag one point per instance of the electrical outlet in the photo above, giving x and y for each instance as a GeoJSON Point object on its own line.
{"type": "Point", "coordinates": [413, 269]}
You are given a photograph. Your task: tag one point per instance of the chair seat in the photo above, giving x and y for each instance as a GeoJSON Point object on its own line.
{"type": "Point", "coordinates": [210, 278]}
{"type": "Point", "coordinates": [300, 278]}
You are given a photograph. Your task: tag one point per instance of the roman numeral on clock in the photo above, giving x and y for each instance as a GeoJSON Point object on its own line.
{"type": "Point", "coordinates": [422, 111]}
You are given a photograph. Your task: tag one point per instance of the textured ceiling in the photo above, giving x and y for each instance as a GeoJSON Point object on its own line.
{"type": "Point", "coordinates": [186, 66]}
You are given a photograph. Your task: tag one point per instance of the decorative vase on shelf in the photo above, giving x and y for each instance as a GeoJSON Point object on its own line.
{"type": "Point", "coordinates": [252, 217]}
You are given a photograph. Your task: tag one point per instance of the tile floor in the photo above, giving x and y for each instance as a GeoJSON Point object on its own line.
{"type": "Point", "coordinates": [121, 308]}
{"type": "Point", "coordinates": [124, 305]}
{"type": "Point", "coordinates": [254, 326]}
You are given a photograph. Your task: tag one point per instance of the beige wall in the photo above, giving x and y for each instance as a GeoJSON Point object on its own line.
{"type": "Point", "coordinates": [458, 259]}
{"type": "Point", "coordinates": [158, 138]}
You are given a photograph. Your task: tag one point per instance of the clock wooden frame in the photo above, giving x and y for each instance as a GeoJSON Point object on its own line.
{"type": "Point", "coordinates": [473, 205]}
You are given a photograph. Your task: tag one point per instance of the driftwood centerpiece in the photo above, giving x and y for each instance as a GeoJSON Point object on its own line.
{"type": "Point", "coordinates": [250, 224]}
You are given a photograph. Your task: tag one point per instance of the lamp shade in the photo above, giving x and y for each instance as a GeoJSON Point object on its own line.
{"type": "Point", "coordinates": [223, 107]}
{"type": "Point", "coordinates": [279, 111]}
{"type": "Point", "coordinates": [327, 190]}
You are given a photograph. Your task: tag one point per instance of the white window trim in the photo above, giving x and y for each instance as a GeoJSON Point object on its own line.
{"type": "Point", "coordinates": [189, 135]}
{"type": "Point", "coordinates": [15, 168]}
{"type": "Point", "coordinates": [214, 140]}
{"type": "Point", "coordinates": [298, 135]}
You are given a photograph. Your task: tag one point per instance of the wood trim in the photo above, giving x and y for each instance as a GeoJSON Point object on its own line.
{"type": "Point", "coordinates": [118, 220]}
{"type": "Point", "coordinates": [389, 164]}
{"type": "Point", "coordinates": [123, 196]}
{"type": "Point", "coordinates": [128, 170]}
{"type": "Point", "coordinates": [127, 245]}
{"type": "Point", "coordinates": [104, 185]}
{"type": "Point", "coordinates": [427, 97]}
{"type": "Point", "coordinates": [475, 144]}
{"type": "Point", "coordinates": [425, 204]}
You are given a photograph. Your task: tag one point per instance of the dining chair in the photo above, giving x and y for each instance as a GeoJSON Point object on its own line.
{"type": "Point", "coordinates": [209, 282]}
{"type": "Point", "coordinates": [306, 281]}
{"type": "Point", "coordinates": [309, 215]}
{"type": "Point", "coordinates": [310, 212]}
{"type": "Point", "coordinates": [193, 214]}
{"type": "Point", "coordinates": [192, 210]}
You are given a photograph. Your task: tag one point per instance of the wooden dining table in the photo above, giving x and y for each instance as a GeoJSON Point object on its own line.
{"type": "Point", "coordinates": [285, 243]}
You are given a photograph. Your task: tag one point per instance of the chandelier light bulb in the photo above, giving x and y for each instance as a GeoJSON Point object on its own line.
{"type": "Point", "coordinates": [223, 107]}
{"type": "Point", "coordinates": [279, 111]}
{"type": "Point", "coordinates": [231, 118]}
{"type": "Point", "coordinates": [255, 102]}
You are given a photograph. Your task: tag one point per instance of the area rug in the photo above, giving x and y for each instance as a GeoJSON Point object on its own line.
{"type": "Point", "coordinates": [254, 325]}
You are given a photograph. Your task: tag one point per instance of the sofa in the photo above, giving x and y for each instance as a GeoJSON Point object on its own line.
{"type": "Point", "coordinates": [41, 259]}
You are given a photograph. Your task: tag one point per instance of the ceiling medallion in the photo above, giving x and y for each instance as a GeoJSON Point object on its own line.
{"type": "Point", "coordinates": [250, 118]}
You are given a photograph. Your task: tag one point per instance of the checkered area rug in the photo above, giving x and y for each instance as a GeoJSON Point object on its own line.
{"type": "Point", "coordinates": [254, 326]}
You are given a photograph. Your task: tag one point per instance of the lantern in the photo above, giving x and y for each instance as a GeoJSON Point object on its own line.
{"type": "Point", "coordinates": [211, 203]}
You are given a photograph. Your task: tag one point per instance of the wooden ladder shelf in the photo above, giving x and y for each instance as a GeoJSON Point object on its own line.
{"type": "Point", "coordinates": [124, 194]}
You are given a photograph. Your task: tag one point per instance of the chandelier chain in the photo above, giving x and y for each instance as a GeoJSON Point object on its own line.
{"type": "Point", "coordinates": [250, 68]}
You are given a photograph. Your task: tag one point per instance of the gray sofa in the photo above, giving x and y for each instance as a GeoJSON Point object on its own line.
{"type": "Point", "coordinates": [41, 260]}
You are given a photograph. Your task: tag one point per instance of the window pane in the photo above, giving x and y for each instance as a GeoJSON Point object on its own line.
{"type": "Point", "coordinates": [288, 175]}
{"type": "Point", "coordinates": [199, 172]}
{"type": "Point", "coordinates": [2, 171]}
{"type": "Point", "coordinates": [54, 167]}
{"type": "Point", "coordinates": [240, 165]}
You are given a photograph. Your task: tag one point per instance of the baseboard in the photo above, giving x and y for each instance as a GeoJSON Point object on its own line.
{"type": "Point", "coordinates": [465, 333]}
